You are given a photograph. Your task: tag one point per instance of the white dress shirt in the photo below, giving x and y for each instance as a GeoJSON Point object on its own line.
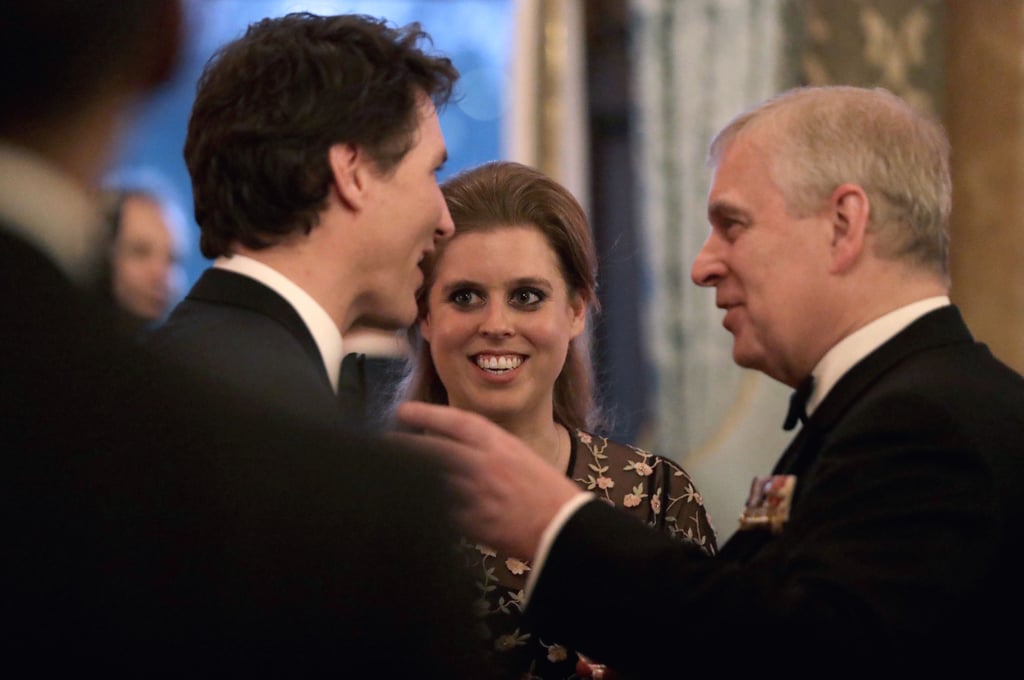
{"type": "Point", "coordinates": [862, 342]}
{"type": "Point", "coordinates": [323, 329]}
{"type": "Point", "coordinates": [836, 362]}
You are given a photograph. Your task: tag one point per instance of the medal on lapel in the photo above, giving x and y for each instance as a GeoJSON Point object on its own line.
{"type": "Point", "coordinates": [769, 503]}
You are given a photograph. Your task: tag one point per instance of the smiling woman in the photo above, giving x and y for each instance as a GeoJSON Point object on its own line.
{"type": "Point", "coordinates": [500, 318]}
{"type": "Point", "coordinates": [501, 332]}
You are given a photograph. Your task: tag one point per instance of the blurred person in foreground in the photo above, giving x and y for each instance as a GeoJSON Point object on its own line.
{"type": "Point", "coordinates": [501, 332]}
{"type": "Point", "coordinates": [154, 524]}
{"type": "Point", "coordinates": [313, 147]}
{"type": "Point", "coordinates": [888, 536]}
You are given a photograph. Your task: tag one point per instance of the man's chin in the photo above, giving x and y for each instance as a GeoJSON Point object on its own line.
{"type": "Point", "coordinates": [744, 358]}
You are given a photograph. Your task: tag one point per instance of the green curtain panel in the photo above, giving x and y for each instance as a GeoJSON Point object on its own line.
{"type": "Point", "coordinates": [697, 64]}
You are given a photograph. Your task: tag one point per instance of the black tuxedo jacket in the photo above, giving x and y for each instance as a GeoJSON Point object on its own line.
{"type": "Point", "coordinates": [903, 547]}
{"type": "Point", "coordinates": [157, 525]}
{"type": "Point", "coordinates": [233, 329]}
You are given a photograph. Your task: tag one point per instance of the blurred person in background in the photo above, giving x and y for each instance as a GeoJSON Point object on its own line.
{"type": "Point", "coordinates": [142, 274]}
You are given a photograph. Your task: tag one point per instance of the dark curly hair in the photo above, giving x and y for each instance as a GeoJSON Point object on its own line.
{"type": "Point", "coordinates": [270, 104]}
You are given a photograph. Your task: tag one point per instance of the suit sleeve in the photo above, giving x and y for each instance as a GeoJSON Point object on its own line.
{"type": "Point", "coordinates": [891, 533]}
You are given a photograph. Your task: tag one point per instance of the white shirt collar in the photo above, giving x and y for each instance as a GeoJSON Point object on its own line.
{"type": "Point", "coordinates": [323, 329]}
{"type": "Point", "coordinates": [46, 207]}
{"type": "Point", "coordinates": [854, 347]}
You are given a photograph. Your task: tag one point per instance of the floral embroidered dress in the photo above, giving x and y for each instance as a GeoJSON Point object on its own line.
{"type": "Point", "coordinates": [654, 489]}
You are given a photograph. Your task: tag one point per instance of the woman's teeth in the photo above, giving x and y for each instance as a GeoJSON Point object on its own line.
{"type": "Point", "coordinates": [498, 364]}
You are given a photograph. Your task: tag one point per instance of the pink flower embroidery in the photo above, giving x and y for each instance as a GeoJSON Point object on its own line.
{"type": "Point", "coordinates": [643, 469]}
{"type": "Point", "coordinates": [631, 500]}
{"type": "Point", "coordinates": [511, 641]}
{"type": "Point", "coordinates": [656, 504]}
{"type": "Point", "coordinates": [584, 437]}
{"type": "Point", "coordinates": [515, 566]}
{"type": "Point", "coordinates": [556, 653]}
{"type": "Point", "coordinates": [605, 482]}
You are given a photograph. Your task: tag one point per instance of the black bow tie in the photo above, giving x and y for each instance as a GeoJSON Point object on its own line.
{"type": "Point", "coordinates": [798, 404]}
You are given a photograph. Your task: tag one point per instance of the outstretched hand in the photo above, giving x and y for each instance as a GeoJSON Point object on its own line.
{"type": "Point", "coordinates": [505, 493]}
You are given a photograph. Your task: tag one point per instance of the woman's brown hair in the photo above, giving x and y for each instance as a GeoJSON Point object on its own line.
{"type": "Point", "coordinates": [503, 194]}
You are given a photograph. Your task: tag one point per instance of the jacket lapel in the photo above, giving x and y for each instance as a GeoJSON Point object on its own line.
{"type": "Point", "coordinates": [222, 287]}
{"type": "Point", "coordinates": [941, 327]}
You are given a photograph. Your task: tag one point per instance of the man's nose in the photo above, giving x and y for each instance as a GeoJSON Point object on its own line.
{"type": "Point", "coordinates": [708, 267]}
{"type": "Point", "coordinates": [446, 227]}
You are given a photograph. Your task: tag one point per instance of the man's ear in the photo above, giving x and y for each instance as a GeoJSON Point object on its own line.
{"type": "Point", "coordinates": [425, 327]}
{"type": "Point", "coordinates": [348, 168]}
{"type": "Point", "coordinates": [850, 211]}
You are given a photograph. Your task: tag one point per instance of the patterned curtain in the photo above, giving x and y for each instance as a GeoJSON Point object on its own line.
{"type": "Point", "coordinates": [698, 63]}
{"type": "Point", "coordinates": [895, 44]}
{"type": "Point", "coordinates": [546, 123]}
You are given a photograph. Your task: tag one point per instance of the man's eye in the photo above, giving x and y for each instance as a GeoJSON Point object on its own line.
{"type": "Point", "coordinates": [731, 226]}
{"type": "Point", "coordinates": [138, 251]}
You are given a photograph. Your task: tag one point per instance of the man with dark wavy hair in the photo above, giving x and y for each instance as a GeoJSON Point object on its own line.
{"type": "Point", "coordinates": [312, 146]}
